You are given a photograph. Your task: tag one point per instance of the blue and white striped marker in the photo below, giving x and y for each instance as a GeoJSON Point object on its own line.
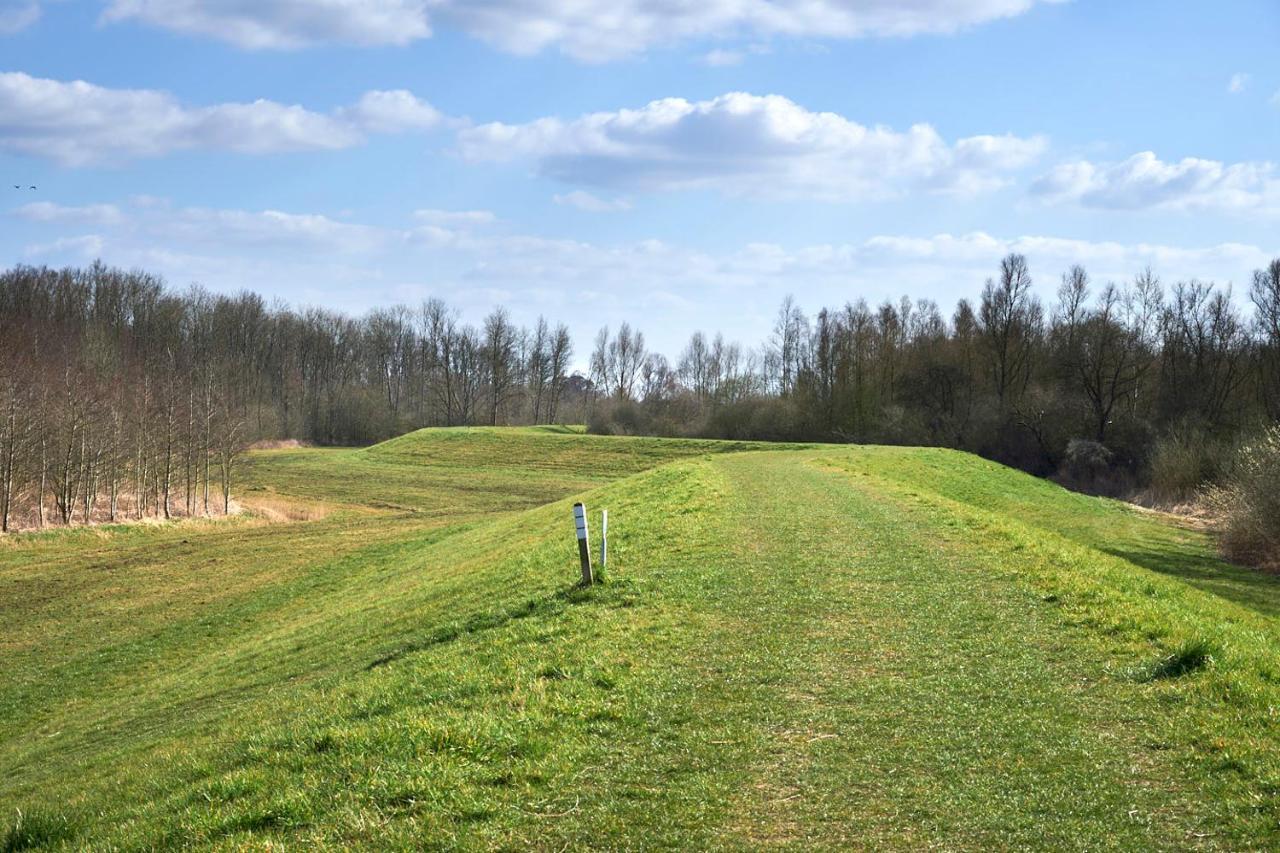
{"type": "Point", "coordinates": [584, 546]}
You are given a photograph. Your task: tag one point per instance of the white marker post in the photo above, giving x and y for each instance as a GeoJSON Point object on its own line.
{"type": "Point", "coordinates": [584, 546]}
{"type": "Point", "coordinates": [604, 537]}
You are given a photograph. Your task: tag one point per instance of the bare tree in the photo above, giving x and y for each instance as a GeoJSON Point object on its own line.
{"type": "Point", "coordinates": [500, 341]}
{"type": "Point", "coordinates": [1009, 319]}
{"type": "Point", "coordinates": [695, 367]}
{"type": "Point", "coordinates": [786, 347]}
{"type": "Point", "coordinates": [626, 356]}
{"type": "Point", "coordinates": [601, 365]}
{"type": "Point", "coordinates": [1113, 338]}
{"type": "Point", "coordinates": [1265, 294]}
{"type": "Point", "coordinates": [538, 368]}
{"type": "Point", "coordinates": [560, 353]}
{"type": "Point", "coordinates": [1201, 367]}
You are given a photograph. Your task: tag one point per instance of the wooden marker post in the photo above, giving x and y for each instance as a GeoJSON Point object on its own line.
{"type": "Point", "coordinates": [584, 546]}
{"type": "Point", "coordinates": [604, 537]}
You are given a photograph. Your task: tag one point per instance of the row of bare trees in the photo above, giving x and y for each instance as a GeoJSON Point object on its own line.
{"type": "Point", "coordinates": [116, 401]}
{"type": "Point", "coordinates": [1117, 365]}
{"type": "Point", "coordinates": [427, 368]}
{"type": "Point", "coordinates": [120, 398]}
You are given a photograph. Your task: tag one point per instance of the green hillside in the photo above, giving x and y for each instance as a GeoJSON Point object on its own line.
{"type": "Point", "coordinates": [808, 646]}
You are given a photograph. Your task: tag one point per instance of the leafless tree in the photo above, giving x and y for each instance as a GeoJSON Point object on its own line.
{"type": "Point", "coordinates": [1009, 319]}
{"type": "Point", "coordinates": [1265, 294]}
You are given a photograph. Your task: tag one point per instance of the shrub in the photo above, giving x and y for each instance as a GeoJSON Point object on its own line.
{"type": "Point", "coordinates": [1248, 503]}
{"type": "Point", "coordinates": [1087, 460]}
{"type": "Point", "coordinates": [1092, 467]}
{"type": "Point", "coordinates": [1186, 461]}
{"type": "Point", "coordinates": [620, 417]}
{"type": "Point", "coordinates": [755, 418]}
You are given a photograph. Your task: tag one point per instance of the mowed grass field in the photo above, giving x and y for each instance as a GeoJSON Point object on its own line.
{"type": "Point", "coordinates": [805, 646]}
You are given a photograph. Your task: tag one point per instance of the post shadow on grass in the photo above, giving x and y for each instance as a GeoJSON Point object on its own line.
{"type": "Point", "coordinates": [552, 604]}
{"type": "Point", "coordinates": [1249, 588]}
{"type": "Point", "coordinates": [1190, 656]}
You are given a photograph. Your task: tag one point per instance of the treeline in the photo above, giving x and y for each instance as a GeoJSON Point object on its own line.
{"type": "Point", "coordinates": [120, 398]}
{"type": "Point", "coordinates": [1107, 386]}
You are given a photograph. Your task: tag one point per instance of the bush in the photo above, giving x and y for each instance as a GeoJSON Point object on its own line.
{"type": "Point", "coordinates": [620, 417]}
{"type": "Point", "coordinates": [1086, 460]}
{"type": "Point", "coordinates": [1092, 467]}
{"type": "Point", "coordinates": [1248, 503]}
{"type": "Point", "coordinates": [599, 421]}
{"type": "Point", "coordinates": [755, 419]}
{"type": "Point", "coordinates": [1185, 462]}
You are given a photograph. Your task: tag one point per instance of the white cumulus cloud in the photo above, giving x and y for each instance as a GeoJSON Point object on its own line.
{"type": "Point", "coordinates": [750, 145]}
{"type": "Point", "coordinates": [1144, 181]}
{"type": "Point", "coordinates": [78, 123]}
{"type": "Point", "coordinates": [1238, 83]}
{"type": "Point", "coordinates": [391, 112]}
{"type": "Point", "coordinates": [589, 30]}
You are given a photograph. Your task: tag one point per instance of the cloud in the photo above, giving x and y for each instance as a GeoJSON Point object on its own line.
{"type": "Point", "coordinates": [92, 214]}
{"type": "Point", "coordinates": [1238, 83]}
{"type": "Point", "coordinates": [455, 218]}
{"type": "Point", "coordinates": [77, 123]}
{"type": "Point", "coordinates": [724, 58]}
{"type": "Point", "coordinates": [720, 58]}
{"type": "Point", "coordinates": [283, 24]}
{"type": "Point", "coordinates": [603, 30]}
{"type": "Point", "coordinates": [592, 204]}
{"type": "Point", "coordinates": [588, 30]}
{"type": "Point", "coordinates": [747, 145]}
{"type": "Point", "coordinates": [157, 220]}
{"type": "Point", "coordinates": [267, 229]}
{"type": "Point", "coordinates": [72, 249]}
{"type": "Point", "coordinates": [1107, 259]}
{"type": "Point", "coordinates": [391, 112]}
{"type": "Point", "coordinates": [1143, 181]}
{"type": "Point", "coordinates": [17, 16]}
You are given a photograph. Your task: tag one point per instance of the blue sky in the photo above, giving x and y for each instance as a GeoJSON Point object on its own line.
{"type": "Point", "coordinates": [679, 165]}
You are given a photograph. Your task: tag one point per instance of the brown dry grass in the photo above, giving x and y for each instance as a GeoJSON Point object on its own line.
{"type": "Point", "coordinates": [275, 508]}
{"type": "Point", "coordinates": [280, 444]}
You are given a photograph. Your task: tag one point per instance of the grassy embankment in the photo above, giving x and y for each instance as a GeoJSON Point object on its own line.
{"type": "Point", "coordinates": [823, 646]}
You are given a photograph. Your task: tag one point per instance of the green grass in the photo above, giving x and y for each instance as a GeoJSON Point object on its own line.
{"type": "Point", "coordinates": [810, 647]}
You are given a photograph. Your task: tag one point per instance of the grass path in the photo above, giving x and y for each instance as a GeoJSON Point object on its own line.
{"type": "Point", "coordinates": [919, 699]}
